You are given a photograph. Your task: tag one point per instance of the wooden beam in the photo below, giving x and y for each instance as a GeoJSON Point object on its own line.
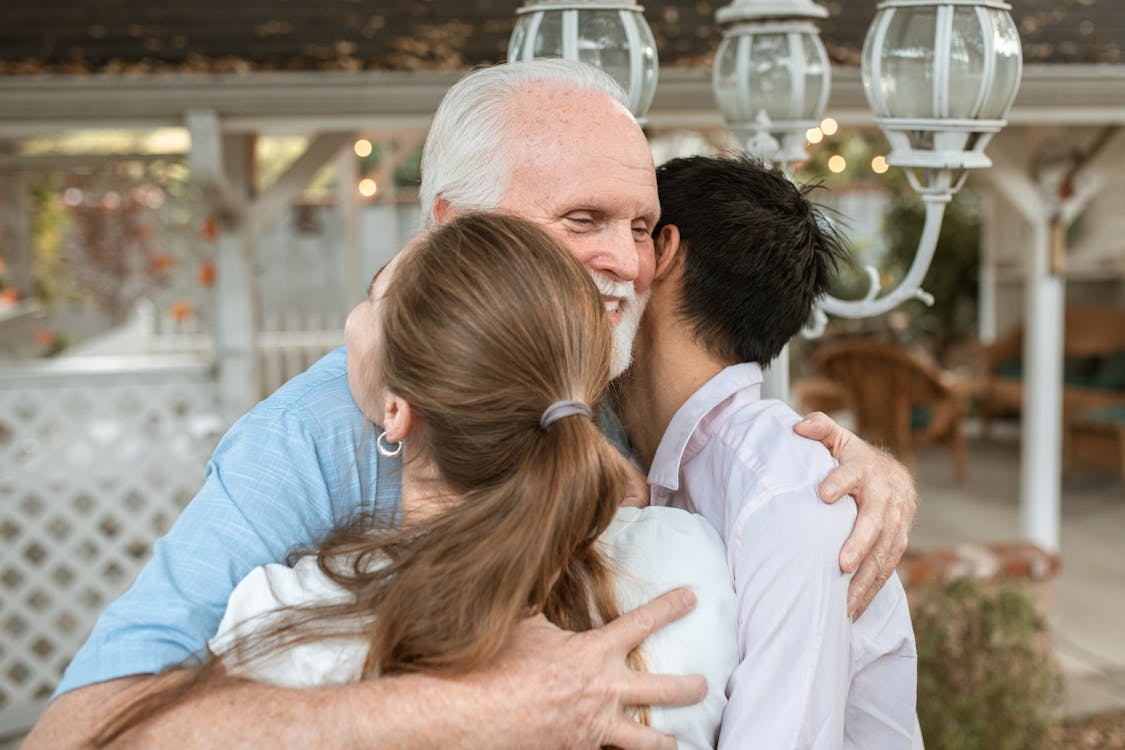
{"type": "Point", "coordinates": [1009, 176]}
{"type": "Point", "coordinates": [320, 101]}
{"type": "Point", "coordinates": [43, 162]}
{"type": "Point", "coordinates": [207, 163]}
{"type": "Point", "coordinates": [270, 203]}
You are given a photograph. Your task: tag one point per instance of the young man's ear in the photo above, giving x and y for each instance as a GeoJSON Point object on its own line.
{"type": "Point", "coordinates": [398, 418]}
{"type": "Point", "coordinates": [667, 245]}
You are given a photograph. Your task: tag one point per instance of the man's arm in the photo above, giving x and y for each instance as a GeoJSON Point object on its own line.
{"type": "Point", "coordinates": [551, 688]}
{"type": "Point", "coordinates": [887, 499]}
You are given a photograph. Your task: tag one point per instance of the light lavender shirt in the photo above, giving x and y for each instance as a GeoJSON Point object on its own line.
{"type": "Point", "coordinates": [807, 676]}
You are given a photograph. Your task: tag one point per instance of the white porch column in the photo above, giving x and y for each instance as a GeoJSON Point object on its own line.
{"type": "Point", "coordinates": [775, 378]}
{"type": "Point", "coordinates": [986, 299]}
{"type": "Point", "coordinates": [1041, 444]}
{"type": "Point", "coordinates": [236, 324]}
{"type": "Point", "coordinates": [222, 165]}
{"type": "Point", "coordinates": [347, 176]}
{"type": "Point", "coordinates": [1041, 431]}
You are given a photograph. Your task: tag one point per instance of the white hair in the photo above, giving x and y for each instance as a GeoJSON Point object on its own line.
{"type": "Point", "coordinates": [466, 159]}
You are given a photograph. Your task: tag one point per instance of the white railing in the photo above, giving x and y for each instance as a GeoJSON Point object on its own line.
{"type": "Point", "coordinates": [97, 457]}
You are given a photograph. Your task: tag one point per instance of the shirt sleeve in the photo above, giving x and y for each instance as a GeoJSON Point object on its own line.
{"type": "Point", "coordinates": [254, 604]}
{"type": "Point", "coordinates": [268, 488]}
{"type": "Point", "coordinates": [791, 685]}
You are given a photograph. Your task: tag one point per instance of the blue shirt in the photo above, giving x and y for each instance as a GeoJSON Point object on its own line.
{"type": "Point", "coordinates": [299, 464]}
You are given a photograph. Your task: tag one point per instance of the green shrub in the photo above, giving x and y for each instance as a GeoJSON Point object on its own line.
{"type": "Point", "coordinates": [986, 680]}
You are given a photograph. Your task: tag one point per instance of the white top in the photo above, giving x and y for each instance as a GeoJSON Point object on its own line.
{"type": "Point", "coordinates": [807, 676]}
{"type": "Point", "coordinates": [653, 550]}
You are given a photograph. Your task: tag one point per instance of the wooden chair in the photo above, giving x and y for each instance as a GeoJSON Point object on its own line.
{"type": "Point", "coordinates": [899, 399]}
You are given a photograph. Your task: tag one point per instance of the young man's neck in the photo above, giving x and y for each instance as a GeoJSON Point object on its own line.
{"type": "Point", "coordinates": [669, 366]}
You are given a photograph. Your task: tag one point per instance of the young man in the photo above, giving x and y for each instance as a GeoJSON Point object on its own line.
{"type": "Point", "coordinates": [547, 140]}
{"type": "Point", "coordinates": [742, 256]}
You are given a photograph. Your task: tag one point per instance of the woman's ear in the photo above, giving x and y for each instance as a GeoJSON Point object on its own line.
{"type": "Point", "coordinates": [667, 246]}
{"type": "Point", "coordinates": [398, 418]}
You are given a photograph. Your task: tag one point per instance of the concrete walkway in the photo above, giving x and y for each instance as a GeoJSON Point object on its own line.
{"type": "Point", "coordinates": [1087, 606]}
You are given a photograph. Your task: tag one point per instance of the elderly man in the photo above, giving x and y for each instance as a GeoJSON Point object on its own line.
{"type": "Point", "coordinates": [547, 140]}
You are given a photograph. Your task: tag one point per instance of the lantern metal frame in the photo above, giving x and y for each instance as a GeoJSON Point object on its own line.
{"type": "Point", "coordinates": [935, 152]}
{"type": "Point", "coordinates": [636, 32]}
{"type": "Point", "coordinates": [757, 130]}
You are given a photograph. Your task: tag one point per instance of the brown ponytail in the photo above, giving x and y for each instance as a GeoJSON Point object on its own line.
{"type": "Point", "coordinates": [487, 322]}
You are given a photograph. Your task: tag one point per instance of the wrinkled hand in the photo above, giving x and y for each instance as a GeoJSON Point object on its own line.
{"type": "Point", "coordinates": [575, 687]}
{"type": "Point", "coordinates": [887, 500]}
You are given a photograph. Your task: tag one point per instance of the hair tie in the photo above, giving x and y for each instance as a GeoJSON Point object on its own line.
{"type": "Point", "coordinates": [560, 409]}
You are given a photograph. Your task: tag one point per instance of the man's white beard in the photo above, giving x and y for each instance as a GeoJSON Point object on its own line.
{"type": "Point", "coordinates": [631, 309]}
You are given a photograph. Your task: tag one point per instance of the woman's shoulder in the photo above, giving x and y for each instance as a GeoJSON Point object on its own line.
{"type": "Point", "coordinates": [660, 524]}
{"type": "Point", "coordinates": [659, 548]}
{"type": "Point", "coordinates": [654, 550]}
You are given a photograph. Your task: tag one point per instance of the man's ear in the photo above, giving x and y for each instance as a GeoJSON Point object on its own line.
{"type": "Point", "coordinates": [443, 210]}
{"type": "Point", "coordinates": [667, 246]}
{"type": "Point", "coordinates": [398, 418]}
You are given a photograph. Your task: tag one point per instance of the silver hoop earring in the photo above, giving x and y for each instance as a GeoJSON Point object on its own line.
{"type": "Point", "coordinates": [387, 450]}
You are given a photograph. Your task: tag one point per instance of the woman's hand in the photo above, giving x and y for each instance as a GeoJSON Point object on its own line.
{"type": "Point", "coordinates": [887, 500]}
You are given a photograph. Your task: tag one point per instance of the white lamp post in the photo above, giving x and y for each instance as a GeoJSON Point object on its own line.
{"type": "Point", "coordinates": [613, 36]}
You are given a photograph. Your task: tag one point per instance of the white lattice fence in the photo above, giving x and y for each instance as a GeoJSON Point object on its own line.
{"type": "Point", "coordinates": [97, 458]}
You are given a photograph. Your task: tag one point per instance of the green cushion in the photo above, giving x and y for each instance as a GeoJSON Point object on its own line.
{"type": "Point", "coordinates": [1111, 373]}
{"type": "Point", "coordinates": [919, 418]}
{"type": "Point", "coordinates": [1081, 370]}
{"type": "Point", "coordinates": [1114, 414]}
{"type": "Point", "coordinates": [1013, 368]}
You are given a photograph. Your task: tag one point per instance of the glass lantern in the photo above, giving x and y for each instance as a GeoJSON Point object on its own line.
{"type": "Point", "coordinates": [771, 75]}
{"type": "Point", "coordinates": [612, 36]}
{"type": "Point", "coordinates": [940, 77]}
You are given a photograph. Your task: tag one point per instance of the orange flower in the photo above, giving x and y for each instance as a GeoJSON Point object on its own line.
{"type": "Point", "coordinates": [161, 262]}
{"type": "Point", "coordinates": [180, 310]}
{"type": "Point", "coordinates": [46, 338]}
{"type": "Point", "coordinates": [9, 297]}
{"type": "Point", "coordinates": [210, 229]}
{"type": "Point", "coordinates": [207, 274]}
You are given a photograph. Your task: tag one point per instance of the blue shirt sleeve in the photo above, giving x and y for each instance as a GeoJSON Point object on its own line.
{"type": "Point", "coordinates": [283, 476]}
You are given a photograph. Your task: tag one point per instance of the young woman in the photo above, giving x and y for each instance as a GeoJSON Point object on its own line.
{"type": "Point", "coordinates": [490, 351]}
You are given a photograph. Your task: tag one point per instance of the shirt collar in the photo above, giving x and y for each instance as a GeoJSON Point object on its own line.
{"type": "Point", "coordinates": [665, 469]}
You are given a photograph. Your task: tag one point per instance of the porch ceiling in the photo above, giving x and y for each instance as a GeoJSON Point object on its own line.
{"type": "Point", "coordinates": [317, 101]}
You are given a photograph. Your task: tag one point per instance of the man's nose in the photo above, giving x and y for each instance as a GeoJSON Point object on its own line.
{"type": "Point", "coordinates": [618, 257]}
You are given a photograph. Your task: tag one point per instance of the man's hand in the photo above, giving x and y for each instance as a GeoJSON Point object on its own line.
{"type": "Point", "coordinates": [573, 688]}
{"type": "Point", "coordinates": [887, 500]}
